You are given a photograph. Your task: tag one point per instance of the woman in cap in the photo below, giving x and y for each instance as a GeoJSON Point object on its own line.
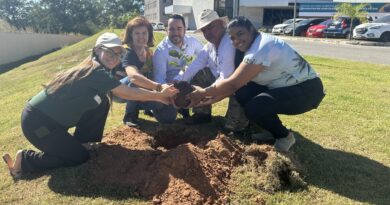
{"type": "Point", "coordinates": [272, 79]}
{"type": "Point", "coordinates": [76, 98]}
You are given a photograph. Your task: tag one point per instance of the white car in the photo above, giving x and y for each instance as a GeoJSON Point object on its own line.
{"type": "Point", "coordinates": [160, 26]}
{"type": "Point", "coordinates": [154, 25]}
{"type": "Point", "coordinates": [279, 28]}
{"type": "Point", "coordinates": [378, 30]}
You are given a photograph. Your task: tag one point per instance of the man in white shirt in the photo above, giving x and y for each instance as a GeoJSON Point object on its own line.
{"type": "Point", "coordinates": [214, 62]}
{"type": "Point", "coordinates": [167, 66]}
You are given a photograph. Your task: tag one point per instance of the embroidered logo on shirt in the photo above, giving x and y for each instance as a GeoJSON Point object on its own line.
{"type": "Point", "coordinates": [97, 99]}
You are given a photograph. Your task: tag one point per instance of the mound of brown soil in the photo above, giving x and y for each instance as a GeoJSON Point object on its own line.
{"type": "Point", "coordinates": [174, 166]}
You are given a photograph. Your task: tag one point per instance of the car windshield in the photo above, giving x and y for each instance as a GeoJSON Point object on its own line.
{"type": "Point", "coordinates": [337, 21]}
{"type": "Point", "coordinates": [288, 21]}
{"type": "Point", "coordinates": [383, 19]}
{"type": "Point", "coordinates": [325, 23]}
{"type": "Point", "coordinates": [304, 22]}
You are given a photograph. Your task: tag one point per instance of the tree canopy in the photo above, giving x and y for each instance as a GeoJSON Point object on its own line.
{"type": "Point", "coordinates": [69, 16]}
{"type": "Point", "coordinates": [353, 11]}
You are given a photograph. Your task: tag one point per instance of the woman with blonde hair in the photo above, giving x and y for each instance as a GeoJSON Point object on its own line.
{"type": "Point", "coordinates": [137, 70]}
{"type": "Point", "coordinates": [76, 98]}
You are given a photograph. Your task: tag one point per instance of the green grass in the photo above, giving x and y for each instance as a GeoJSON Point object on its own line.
{"type": "Point", "coordinates": [343, 147]}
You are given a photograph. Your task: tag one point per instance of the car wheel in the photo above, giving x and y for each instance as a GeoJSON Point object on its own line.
{"type": "Point", "coordinates": [303, 34]}
{"type": "Point", "coordinates": [385, 37]}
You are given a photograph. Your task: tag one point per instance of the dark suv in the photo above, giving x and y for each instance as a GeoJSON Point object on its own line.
{"type": "Point", "coordinates": [340, 27]}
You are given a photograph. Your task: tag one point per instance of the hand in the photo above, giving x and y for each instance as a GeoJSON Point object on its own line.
{"type": "Point", "coordinates": [206, 101]}
{"type": "Point", "coordinates": [167, 94]}
{"type": "Point", "coordinates": [164, 86]}
{"type": "Point", "coordinates": [196, 96]}
{"type": "Point", "coordinates": [164, 100]}
{"type": "Point", "coordinates": [168, 90]}
{"type": "Point", "coordinates": [172, 101]}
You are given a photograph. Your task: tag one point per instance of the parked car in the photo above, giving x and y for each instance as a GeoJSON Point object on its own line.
{"type": "Point", "coordinates": [340, 27]}
{"type": "Point", "coordinates": [160, 26]}
{"type": "Point", "coordinates": [317, 30]}
{"type": "Point", "coordinates": [279, 28]}
{"type": "Point", "coordinates": [379, 29]}
{"type": "Point", "coordinates": [154, 25]}
{"type": "Point", "coordinates": [302, 26]}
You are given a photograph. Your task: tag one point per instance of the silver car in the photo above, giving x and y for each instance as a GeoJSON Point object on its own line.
{"type": "Point", "coordinates": [279, 28]}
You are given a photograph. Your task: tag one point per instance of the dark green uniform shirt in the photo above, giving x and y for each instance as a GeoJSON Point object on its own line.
{"type": "Point", "coordinates": [69, 103]}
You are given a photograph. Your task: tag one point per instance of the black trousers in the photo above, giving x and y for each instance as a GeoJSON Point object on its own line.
{"type": "Point", "coordinates": [262, 105]}
{"type": "Point", "coordinates": [57, 147]}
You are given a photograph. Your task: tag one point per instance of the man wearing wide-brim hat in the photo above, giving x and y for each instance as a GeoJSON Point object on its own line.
{"type": "Point", "coordinates": [214, 62]}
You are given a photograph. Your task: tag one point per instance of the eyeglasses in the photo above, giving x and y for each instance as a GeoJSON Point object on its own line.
{"type": "Point", "coordinates": [111, 53]}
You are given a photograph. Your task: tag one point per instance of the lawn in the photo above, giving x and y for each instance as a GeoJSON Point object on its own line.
{"type": "Point", "coordinates": [343, 146]}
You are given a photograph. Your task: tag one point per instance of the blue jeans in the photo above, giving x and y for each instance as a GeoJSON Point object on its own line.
{"type": "Point", "coordinates": [163, 113]}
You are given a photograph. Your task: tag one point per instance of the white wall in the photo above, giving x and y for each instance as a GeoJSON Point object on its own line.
{"type": "Point", "coordinates": [254, 14]}
{"type": "Point", "coordinates": [17, 46]}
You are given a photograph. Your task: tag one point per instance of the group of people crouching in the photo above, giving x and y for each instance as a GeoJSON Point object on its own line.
{"type": "Point", "coordinates": [261, 74]}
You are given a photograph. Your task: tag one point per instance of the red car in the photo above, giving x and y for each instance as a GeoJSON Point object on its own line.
{"type": "Point", "coordinates": [317, 30]}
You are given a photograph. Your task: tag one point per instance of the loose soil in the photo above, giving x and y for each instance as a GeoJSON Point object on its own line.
{"type": "Point", "coordinates": [173, 165]}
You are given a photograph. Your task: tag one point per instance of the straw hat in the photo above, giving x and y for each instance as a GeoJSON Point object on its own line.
{"type": "Point", "coordinates": [207, 16]}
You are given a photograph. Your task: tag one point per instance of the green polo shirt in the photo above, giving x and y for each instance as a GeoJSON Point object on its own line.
{"type": "Point", "coordinates": [69, 103]}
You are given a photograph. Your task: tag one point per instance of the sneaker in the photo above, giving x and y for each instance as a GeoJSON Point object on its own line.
{"type": "Point", "coordinates": [184, 112]}
{"type": "Point", "coordinates": [284, 144]}
{"type": "Point", "coordinates": [91, 146]}
{"type": "Point", "coordinates": [198, 119]}
{"type": "Point", "coordinates": [131, 119]}
{"type": "Point", "coordinates": [149, 113]}
{"type": "Point", "coordinates": [132, 123]}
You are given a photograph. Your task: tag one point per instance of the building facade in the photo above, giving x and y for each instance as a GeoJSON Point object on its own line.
{"type": "Point", "coordinates": [155, 10]}
{"type": "Point", "coordinates": [263, 13]}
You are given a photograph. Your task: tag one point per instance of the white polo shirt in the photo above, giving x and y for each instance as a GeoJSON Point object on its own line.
{"type": "Point", "coordinates": [220, 61]}
{"type": "Point", "coordinates": [163, 72]}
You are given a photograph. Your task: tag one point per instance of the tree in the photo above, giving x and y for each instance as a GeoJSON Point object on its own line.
{"type": "Point", "coordinates": [115, 12]}
{"type": "Point", "coordinates": [69, 16]}
{"type": "Point", "coordinates": [353, 12]}
{"type": "Point", "coordinates": [15, 12]}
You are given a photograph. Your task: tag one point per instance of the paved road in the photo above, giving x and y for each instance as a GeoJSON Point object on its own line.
{"type": "Point", "coordinates": [370, 54]}
{"type": "Point", "coordinates": [335, 49]}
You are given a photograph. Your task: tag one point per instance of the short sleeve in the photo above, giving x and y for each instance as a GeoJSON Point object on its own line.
{"type": "Point", "coordinates": [130, 59]}
{"type": "Point", "coordinates": [102, 81]}
{"type": "Point", "coordinates": [257, 58]}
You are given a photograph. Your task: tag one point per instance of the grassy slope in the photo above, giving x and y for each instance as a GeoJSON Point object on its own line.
{"type": "Point", "coordinates": [344, 146]}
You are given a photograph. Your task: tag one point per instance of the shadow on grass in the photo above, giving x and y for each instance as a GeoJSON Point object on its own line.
{"type": "Point", "coordinates": [347, 174]}
{"type": "Point", "coordinates": [7, 67]}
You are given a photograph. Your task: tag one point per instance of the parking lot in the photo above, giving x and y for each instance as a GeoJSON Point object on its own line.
{"type": "Point", "coordinates": [355, 50]}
